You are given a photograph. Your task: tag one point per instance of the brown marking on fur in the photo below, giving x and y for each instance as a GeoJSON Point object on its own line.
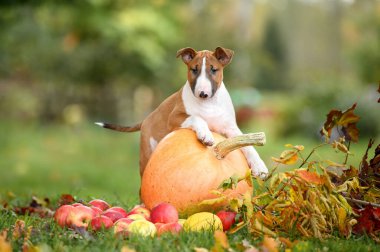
{"type": "Point", "coordinates": [215, 62]}
{"type": "Point", "coordinates": [163, 120]}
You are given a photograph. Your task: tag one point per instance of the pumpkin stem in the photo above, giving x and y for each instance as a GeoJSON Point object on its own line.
{"type": "Point", "coordinates": [233, 143]}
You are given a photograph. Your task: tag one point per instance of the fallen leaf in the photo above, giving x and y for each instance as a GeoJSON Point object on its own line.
{"type": "Point", "coordinates": [310, 177]}
{"type": "Point", "coordinates": [5, 246]}
{"type": "Point", "coordinates": [270, 244]}
{"type": "Point", "coordinates": [368, 221]}
{"type": "Point", "coordinates": [287, 243]}
{"type": "Point", "coordinates": [18, 230]}
{"type": "Point", "coordinates": [197, 249]}
{"type": "Point", "coordinates": [221, 242]}
{"type": "Point", "coordinates": [66, 199]}
{"type": "Point", "coordinates": [125, 248]}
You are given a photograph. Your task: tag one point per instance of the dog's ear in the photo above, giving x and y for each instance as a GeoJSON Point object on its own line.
{"type": "Point", "coordinates": [187, 54]}
{"type": "Point", "coordinates": [223, 55]}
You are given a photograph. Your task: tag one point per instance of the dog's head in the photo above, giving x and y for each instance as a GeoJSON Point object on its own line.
{"type": "Point", "coordinates": [205, 69]}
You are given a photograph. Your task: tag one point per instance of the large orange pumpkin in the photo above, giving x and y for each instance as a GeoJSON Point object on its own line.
{"type": "Point", "coordinates": [183, 172]}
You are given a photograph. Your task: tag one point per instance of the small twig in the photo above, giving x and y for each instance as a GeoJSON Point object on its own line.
{"type": "Point", "coordinates": [311, 153]}
{"type": "Point", "coordinates": [348, 148]}
{"type": "Point", "coordinates": [361, 202]}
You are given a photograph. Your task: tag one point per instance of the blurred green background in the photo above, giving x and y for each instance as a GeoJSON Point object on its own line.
{"type": "Point", "coordinates": [66, 64]}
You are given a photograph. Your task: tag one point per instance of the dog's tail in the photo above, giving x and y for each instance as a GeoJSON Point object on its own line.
{"type": "Point", "coordinates": [116, 127]}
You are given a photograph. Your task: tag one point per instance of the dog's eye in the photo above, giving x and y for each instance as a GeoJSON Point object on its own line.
{"type": "Point", "coordinates": [194, 70]}
{"type": "Point", "coordinates": [213, 70]}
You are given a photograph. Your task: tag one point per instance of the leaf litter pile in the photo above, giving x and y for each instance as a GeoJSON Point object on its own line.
{"type": "Point", "coordinates": [316, 199]}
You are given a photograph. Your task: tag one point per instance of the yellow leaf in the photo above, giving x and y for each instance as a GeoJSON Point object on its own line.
{"type": "Point", "coordinates": [276, 180]}
{"type": "Point", "coordinates": [197, 249]}
{"type": "Point", "coordinates": [299, 147]}
{"type": "Point", "coordinates": [214, 201]}
{"type": "Point", "coordinates": [5, 246]}
{"type": "Point", "coordinates": [221, 242]}
{"type": "Point", "coordinates": [247, 202]}
{"type": "Point", "coordinates": [287, 157]}
{"type": "Point", "coordinates": [248, 177]}
{"type": "Point", "coordinates": [235, 204]}
{"type": "Point", "coordinates": [258, 226]}
{"type": "Point", "coordinates": [237, 227]}
{"type": "Point", "coordinates": [342, 215]}
{"type": "Point", "coordinates": [125, 248]}
{"type": "Point", "coordinates": [340, 146]}
{"type": "Point", "coordinates": [287, 242]}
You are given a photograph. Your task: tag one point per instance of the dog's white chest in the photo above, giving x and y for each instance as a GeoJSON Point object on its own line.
{"type": "Point", "coordinates": [217, 111]}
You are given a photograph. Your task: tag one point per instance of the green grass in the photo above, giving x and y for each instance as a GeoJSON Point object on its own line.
{"type": "Point", "coordinates": [90, 162]}
{"type": "Point", "coordinates": [86, 161]}
{"type": "Point", "coordinates": [49, 236]}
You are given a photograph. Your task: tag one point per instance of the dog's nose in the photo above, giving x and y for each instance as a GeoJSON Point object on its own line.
{"type": "Point", "coordinates": [203, 95]}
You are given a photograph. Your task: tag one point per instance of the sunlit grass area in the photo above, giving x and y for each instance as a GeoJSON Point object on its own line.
{"type": "Point", "coordinates": [86, 161]}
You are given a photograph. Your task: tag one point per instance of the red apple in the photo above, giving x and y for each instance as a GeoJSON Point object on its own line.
{"type": "Point", "coordinates": [103, 205]}
{"type": "Point", "coordinates": [120, 210]}
{"type": "Point", "coordinates": [61, 214]}
{"type": "Point", "coordinates": [140, 210]}
{"type": "Point", "coordinates": [126, 220]}
{"type": "Point", "coordinates": [80, 216]}
{"type": "Point", "coordinates": [113, 215]}
{"type": "Point", "coordinates": [77, 204]}
{"type": "Point", "coordinates": [164, 213]}
{"type": "Point", "coordinates": [173, 228]}
{"type": "Point", "coordinates": [97, 210]}
{"type": "Point", "coordinates": [120, 227]}
{"type": "Point", "coordinates": [100, 222]}
{"type": "Point", "coordinates": [227, 218]}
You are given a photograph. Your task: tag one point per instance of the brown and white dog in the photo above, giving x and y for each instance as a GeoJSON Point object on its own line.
{"type": "Point", "coordinates": [203, 105]}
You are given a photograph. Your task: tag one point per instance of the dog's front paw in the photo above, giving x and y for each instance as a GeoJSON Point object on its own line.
{"type": "Point", "coordinates": [205, 136]}
{"type": "Point", "coordinates": [258, 168]}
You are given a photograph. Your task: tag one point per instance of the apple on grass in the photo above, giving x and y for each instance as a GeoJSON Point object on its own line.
{"type": "Point", "coordinates": [141, 210]}
{"type": "Point", "coordinates": [120, 227]}
{"type": "Point", "coordinates": [173, 228]}
{"type": "Point", "coordinates": [227, 218]}
{"type": "Point", "coordinates": [164, 213]}
{"type": "Point", "coordinates": [100, 222]}
{"type": "Point", "coordinates": [80, 216]}
{"type": "Point", "coordinates": [142, 227]}
{"type": "Point", "coordinates": [97, 210]}
{"type": "Point", "coordinates": [113, 215]}
{"type": "Point", "coordinates": [103, 205]}
{"type": "Point", "coordinates": [120, 210]}
{"type": "Point", "coordinates": [60, 215]}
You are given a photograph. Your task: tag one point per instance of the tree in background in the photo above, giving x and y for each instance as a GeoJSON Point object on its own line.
{"type": "Point", "coordinates": [272, 65]}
